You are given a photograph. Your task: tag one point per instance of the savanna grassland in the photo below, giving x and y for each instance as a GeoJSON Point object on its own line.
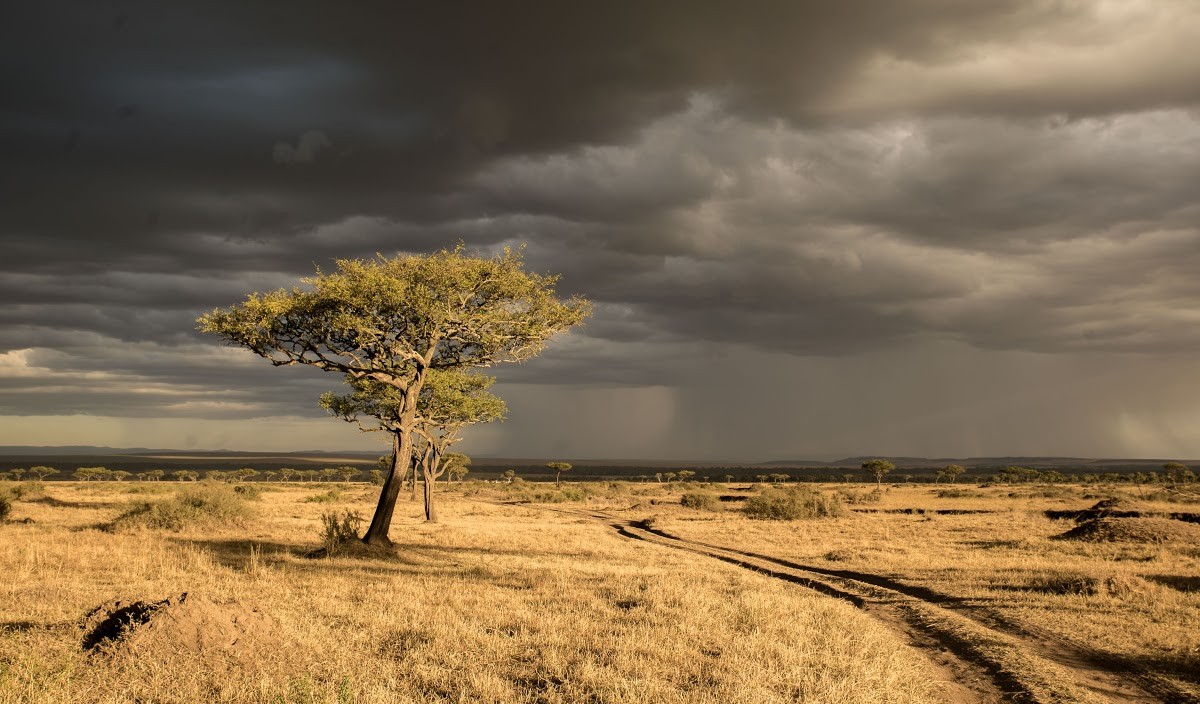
{"type": "Point", "coordinates": [526, 594]}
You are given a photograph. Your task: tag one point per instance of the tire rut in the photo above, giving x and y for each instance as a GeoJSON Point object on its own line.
{"type": "Point", "coordinates": [926, 619]}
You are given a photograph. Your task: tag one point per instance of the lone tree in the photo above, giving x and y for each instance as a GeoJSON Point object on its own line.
{"type": "Point", "coordinates": [879, 468]}
{"type": "Point", "coordinates": [952, 471]}
{"type": "Point", "coordinates": [559, 468]}
{"type": "Point", "coordinates": [1178, 473]}
{"type": "Point", "coordinates": [393, 320]}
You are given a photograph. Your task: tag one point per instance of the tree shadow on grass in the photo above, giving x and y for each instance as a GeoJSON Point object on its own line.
{"type": "Point", "coordinates": [404, 559]}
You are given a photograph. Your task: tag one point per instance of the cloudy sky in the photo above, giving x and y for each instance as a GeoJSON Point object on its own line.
{"type": "Point", "coordinates": [810, 229]}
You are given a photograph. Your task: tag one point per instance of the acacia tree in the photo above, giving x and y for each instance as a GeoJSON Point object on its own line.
{"type": "Point", "coordinates": [393, 320]}
{"type": "Point", "coordinates": [559, 468]}
{"type": "Point", "coordinates": [879, 468]}
{"type": "Point", "coordinates": [952, 471]}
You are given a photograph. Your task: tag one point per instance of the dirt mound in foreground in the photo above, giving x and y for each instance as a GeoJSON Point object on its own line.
{"type": "Point", "coordinates": [187, 623]}
{"type": "Point", "coordinates": [1133, 530]}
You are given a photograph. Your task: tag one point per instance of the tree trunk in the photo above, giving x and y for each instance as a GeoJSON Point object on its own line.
{"type": "Point", "coordinates": [430, 512]}
{"type": "Point", "coordinates": [381, 522]}
{"type": "Point", "coordinates": [413, 471]}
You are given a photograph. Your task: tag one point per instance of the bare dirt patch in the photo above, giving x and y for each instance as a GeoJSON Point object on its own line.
{"type": "Point", "coordinates": [1133, 530]}
{"type": "Point", "coordinates": [187, 623]}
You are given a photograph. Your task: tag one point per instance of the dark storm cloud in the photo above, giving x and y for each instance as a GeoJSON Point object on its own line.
{"type": "Point", "coordinates": [812, 178]}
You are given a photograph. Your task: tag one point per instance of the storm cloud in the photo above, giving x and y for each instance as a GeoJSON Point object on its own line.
{"type": "Point", "coordinates": [771, 205]}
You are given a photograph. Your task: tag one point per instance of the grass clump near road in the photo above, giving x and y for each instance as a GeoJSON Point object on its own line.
{"type": "Point", "coordinates": [197, 507]}
{"type": "Point", "coordinates": [792, 504]}
{"type": "Point", "coordinates": [701, 501]}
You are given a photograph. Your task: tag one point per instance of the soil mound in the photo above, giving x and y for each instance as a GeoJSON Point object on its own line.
{"type": "Point", "coordinates": [1115, 507]}
{"type": "Point", "coordinates": [1133, 530]}
{"type": "Point", "coordinates": [187, 623]}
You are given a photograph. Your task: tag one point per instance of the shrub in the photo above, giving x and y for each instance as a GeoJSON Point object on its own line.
{"type": "Point", "coordinates": [202, 505]}
{"type": "Point", "coordinates": [701, 501]}
{"type": "Point", "coordinates": [339, 529]}
{"type": "Point", "coordinates": [873, 496]}
{"type": "Point", "coordinates": [328, 497]}
{"type": "Point", "coordinates": [5, 506]}
{"type": "Point", "coordinates": [793, 503]}
{"type": "Point", "coordinates": [27, 491]}
{"type": "Point", "coordinates": [248, 491]}
{"type": "Point", "coordinates": [558, 496]}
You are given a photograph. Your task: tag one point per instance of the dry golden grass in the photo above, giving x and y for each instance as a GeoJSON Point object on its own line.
{"type": "Point", "coordinates": [495, 604]}
{"type": "Point", "coordinates": [1138, 604]}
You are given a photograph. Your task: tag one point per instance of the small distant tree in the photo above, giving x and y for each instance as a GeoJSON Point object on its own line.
{"type": "Point", "coordinates": [510, 475]}
{"type": "Point", "coordinates": [243, 474]}
{"type": "Point", "coordinates": [119, 475]}
{"type": "Point", "coordinates": [906, 477]}
{"type": "Point", "coordinates": [559, 468]}
{"type": "Point", "coordinates": [685, 474]}
{"type": "Point", "coordinates": [953, 471]}
{"type": "Point", "coordinates": [347, 472]}
{"type": "Point", "coordinates": [762, 478]}
{"type": "Point", "coordinates": [155, 475]}
{"type": "Point", "coordinates": [670, 476]}
{"type": "Point", "coordinates": [658, 477]}
{"type": "Point", "coordinates": [185, 475]}
{"type": "Point", "coordinates": [780, 478]}
{"type": "Point", "coordinates": [287, 473]}
{"type": "Point", "coordinates": [88, 474]}
{"type": "Point", "coordinates": [376, 477]}
{"type": "Point", "coordinates": [456, 472]}
{"type": "Point", "coordinates": [43, 472]}
{"type": "Point", "coordinates": [728, 478]}
{"type": "Point", "coordinates": [270, 474]}
{"type": "Point", "coordinates": [1177, 473]}
{"type": "Point", "coordinates": [879, 468]}
{"type": "Point", "coordinates": [18, 473]}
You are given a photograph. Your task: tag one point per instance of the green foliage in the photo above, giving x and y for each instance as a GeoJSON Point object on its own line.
{"type": "Point", "coordinates": [209, 504]}
{"type": "Point", "coordinates": [5, 506]}
{"type": "Point", "coordinates": [339, 529]}
{"type": "Point", "coordinates": [792, 504]}
{"type": "Point", "coordinates": [326, 498]}
{"type": "Point", "coordinates": [701, 501]}
{"type": "Point", "coordinates": [879, 468]}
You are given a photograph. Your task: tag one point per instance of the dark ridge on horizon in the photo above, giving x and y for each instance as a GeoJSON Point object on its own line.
{"type": "Point", "coordinates": [853, 462]}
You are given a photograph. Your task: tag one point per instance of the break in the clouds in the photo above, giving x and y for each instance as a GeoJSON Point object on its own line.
{"type": "Point", "coordinates": [914, 227]}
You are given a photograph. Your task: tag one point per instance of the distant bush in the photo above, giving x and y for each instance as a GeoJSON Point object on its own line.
{"type": "Point", "coordinates": [5, 506]}
{"type": "Point", "coordinates": [957, 494]}
{"type": "Point", "coordinates": [701, 501]}
{"type": "Point", "coordinates": [326, 498]}
{"type": "Point", "coordinates": [558, 496]}
{"type": "Point", "coordinates": [248, 491]}
{"type": "Point", "coordinates": [792, 504]}
{"type": "Point", "coordinates": [27, 491]}
{"type": "Point", "coordinates": [873, 496]}
{"type": "Point", "coordinates": [199, 506]}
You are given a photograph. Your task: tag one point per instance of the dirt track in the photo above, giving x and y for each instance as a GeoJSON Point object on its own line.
{"type": "Point", "coordinates": [981, 655]}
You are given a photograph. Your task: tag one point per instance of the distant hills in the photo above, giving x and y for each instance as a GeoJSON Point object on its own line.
{"type": "Point", "coordinates": [143, 458]}
{"type": "Point", "coordinates": [1019, 461]}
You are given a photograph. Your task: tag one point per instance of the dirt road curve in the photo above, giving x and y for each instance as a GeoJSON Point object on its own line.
{"type": "Point", "coordinates": [981, 655]}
